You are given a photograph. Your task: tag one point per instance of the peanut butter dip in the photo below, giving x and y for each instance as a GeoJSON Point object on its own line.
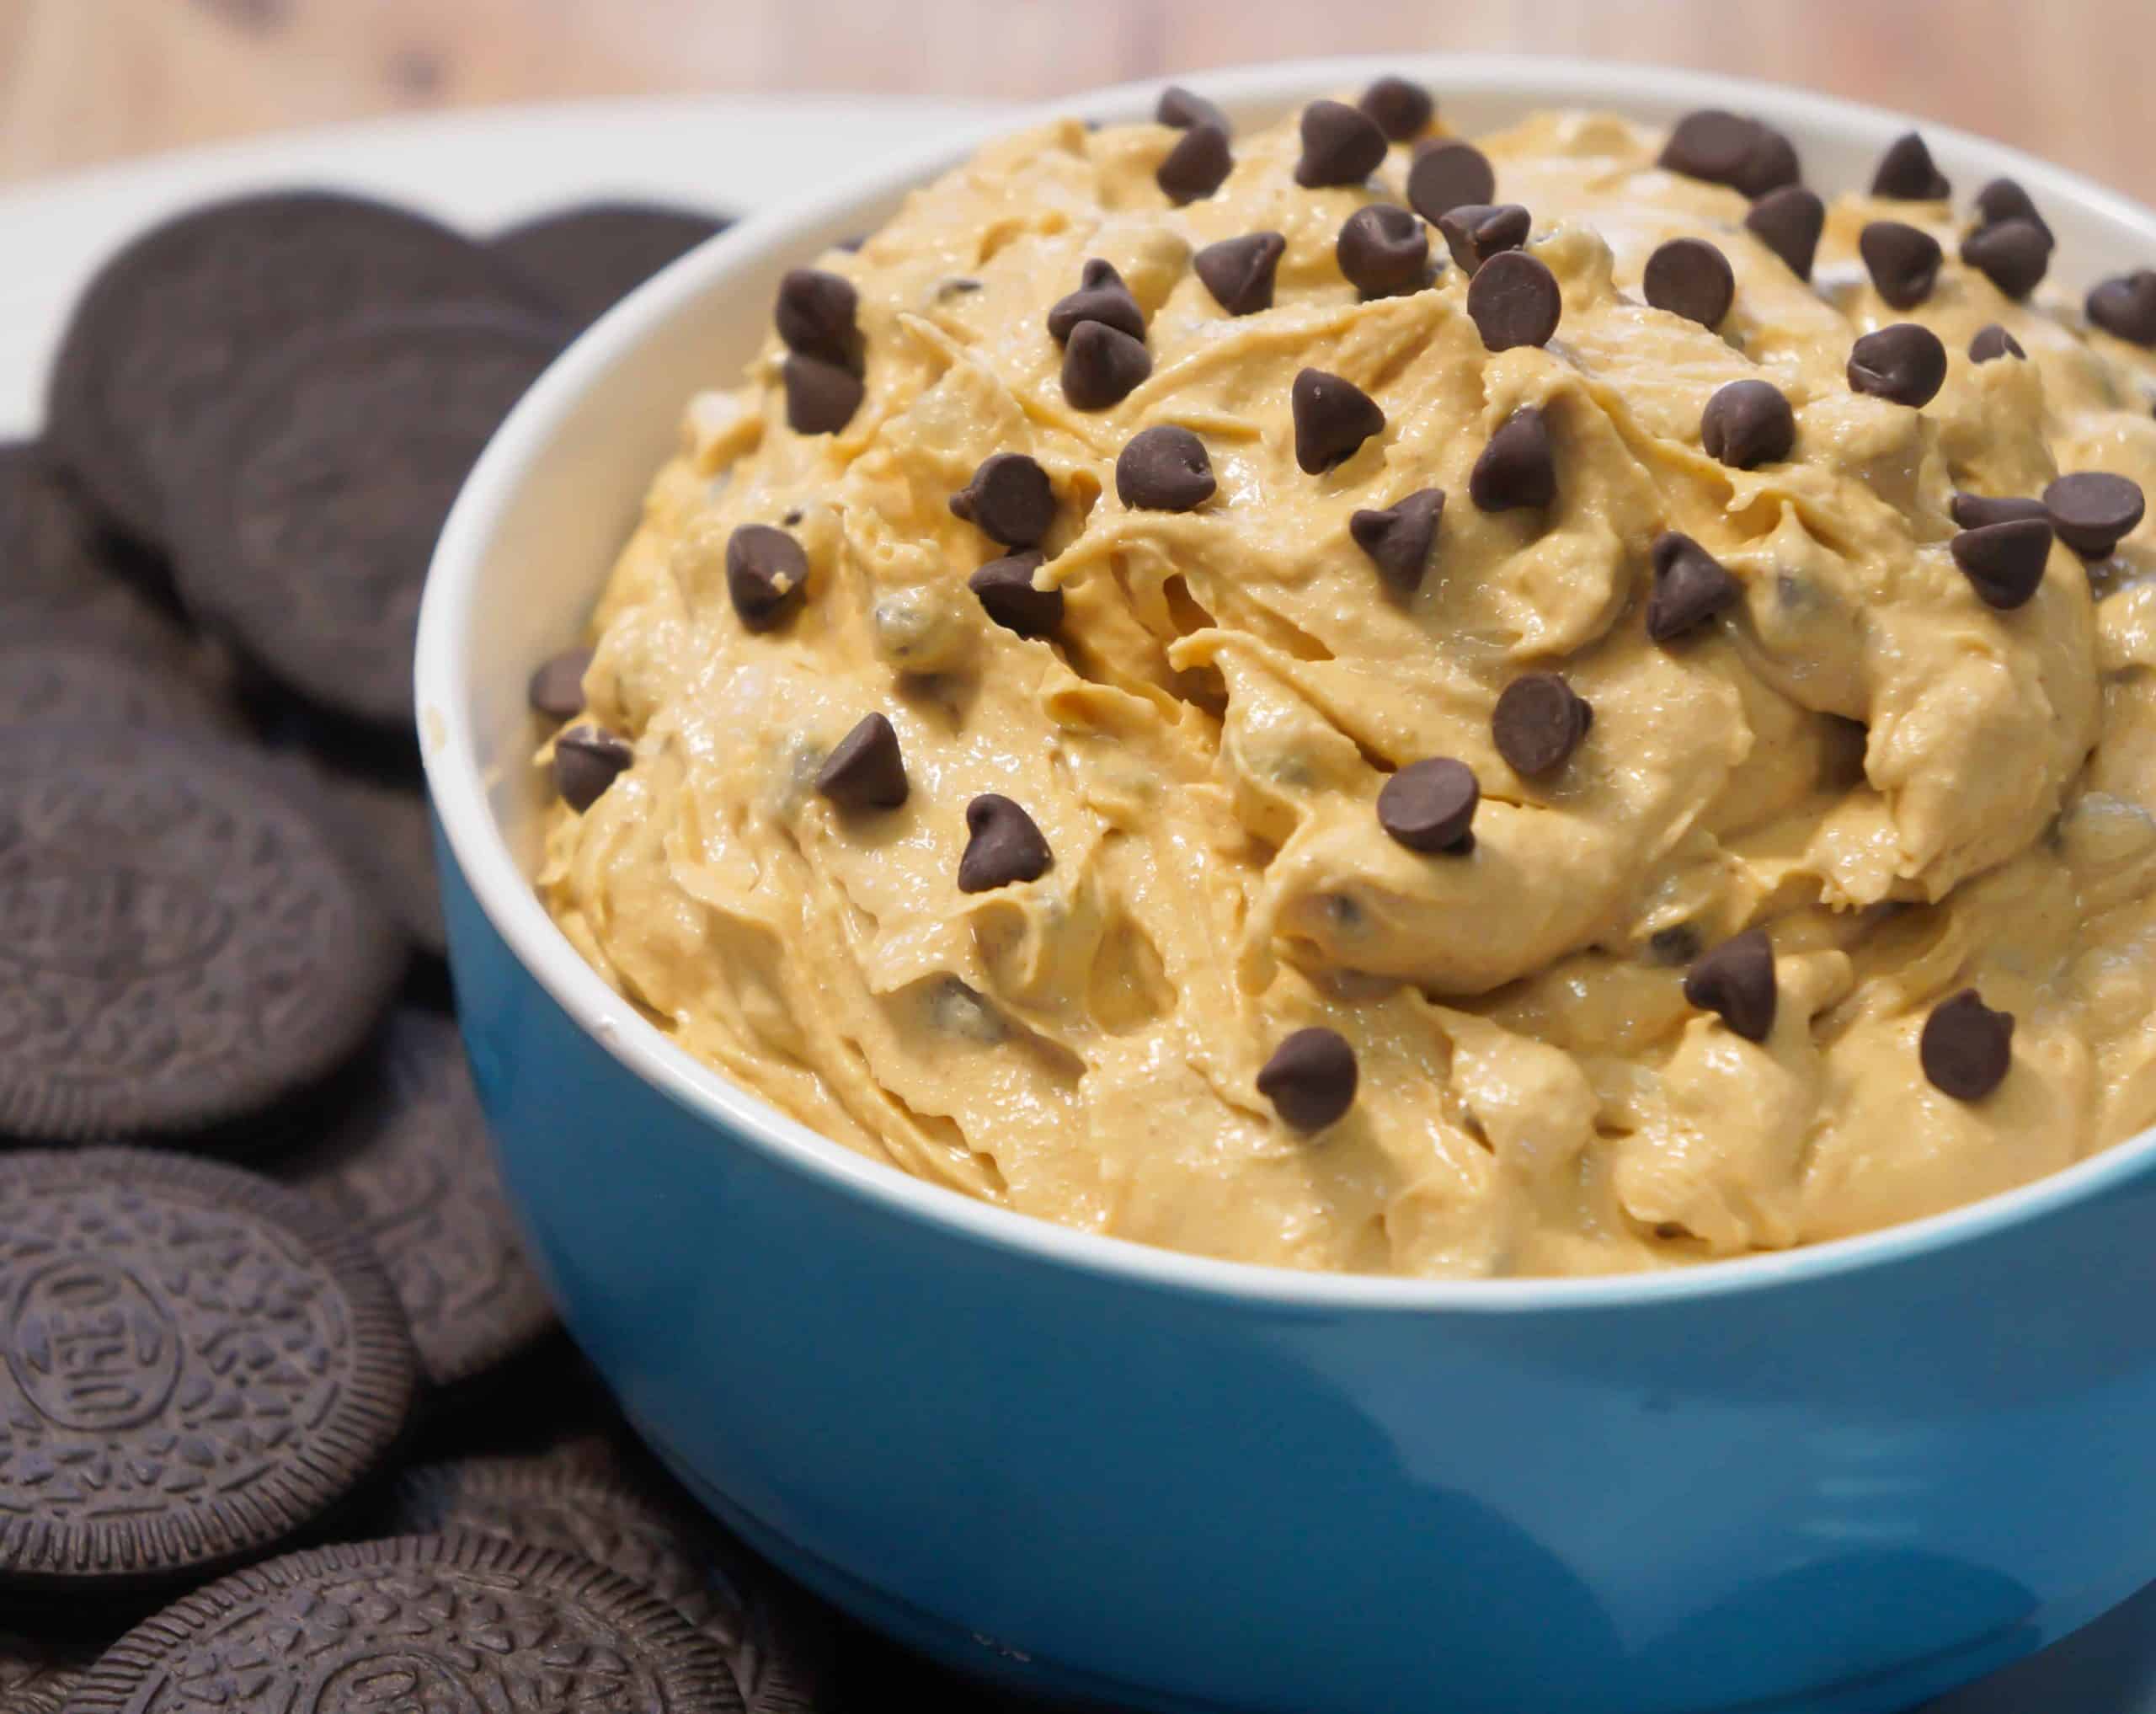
{"type": "Point", "coordinates": [1805, 713]}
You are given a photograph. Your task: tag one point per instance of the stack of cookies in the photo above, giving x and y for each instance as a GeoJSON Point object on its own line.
{"type": "Point", "coordinates": [284, 1417]}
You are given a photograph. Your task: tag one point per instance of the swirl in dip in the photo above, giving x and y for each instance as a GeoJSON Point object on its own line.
{"type": "Point", "coordinates": [1705, 831]}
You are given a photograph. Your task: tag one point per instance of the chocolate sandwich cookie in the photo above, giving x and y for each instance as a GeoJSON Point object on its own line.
{"type": "Point", "coordinates": [198, 948]}
{"type": "Point", "coordinates": [194, 1363]}
{"type": "Point", "coordinates": [59, 566]}
{"type": "Point", "coordinates": [163, 331]}
{"type": "Point", "coordinates": [36, 1676]}
{"type": "Point", "coordinates": [584, 260]}
{"type": "Point", "coordinates": [549, 1411]}
{"type": "Point", "coordinates": [408, 1162]}
{"type": "Point", "coordinates": [66, 676]}
{"type": "Point", "coordinates": [662, 1543]}
{"type": "Point", "coordinates": [372, 800]}
{"type": "Point", "coordinates": [370, 789]}
{"type": "Point", "coordinates": [393, 845]}
{"type": "Point", "coordinates": [308, 526]}
{"type": "Point", "coordinates": [434, 1622]}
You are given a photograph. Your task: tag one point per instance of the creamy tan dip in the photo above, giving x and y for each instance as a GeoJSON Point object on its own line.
{"type": "Point", "coordinates": [1913, 791]}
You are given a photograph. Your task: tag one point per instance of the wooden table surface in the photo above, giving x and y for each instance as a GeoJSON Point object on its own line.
{"type": "Point", "coordinates": [84, 81]}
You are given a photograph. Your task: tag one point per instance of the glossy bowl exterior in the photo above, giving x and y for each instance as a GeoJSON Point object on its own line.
{"type": "Point", "coordinates": [1840, 1479]}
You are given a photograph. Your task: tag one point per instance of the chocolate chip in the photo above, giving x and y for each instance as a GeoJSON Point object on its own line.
{"type": "Point", "coordinates": [1992, 342]}
{"type": "Point", "coordinates": [1678, 944]}
{"type": "Point", "coordinates": [1519, 467]}
{"type": "Point", "coordinates": [2003, 199]}
{"type": "Point", "coordinates": [1737, 982]}
{"type": "Point", "coordinates": [1006, 588]}
{"type": "Point", "coordinates": [1102, 365]}
{"type": "Point", "coordinates": [1197, 166]}
{"type": "Point", "coordinates": [1904, 363]}
{"type": "Point", "coordinates": [1341, 145]}
{"type": "Point", "coordinates": [1475, 232]}
{"type": "Point", "coordinates": [1182, 109]}
{"type": "Point", "coordinates": [2012, 254]}
{"type": "Point", "coordinates": [1907, 174]}
{"type": "Point", "coordinates": [1902, 260]}
{"type": "Point", "coordinates": [1009, 499]}
{"type": "Point", "coordinates": [1310, 1078]}
{"type": "Point", "coordinates": [1005, 845]}
{"type": "Point", "coordinates": [587, 760]}
{"type": "Point", "coordinates": [2126, 306]}
{"type": "Point", "coordinates": [1513, 299]}
{"type": "Point", "coordinates": [2005, 561]}
{"type": "Point", "coordinates": [1101, 297]}
{"type": "Point", "coordinates": [1163, 469]}
{"type": "Point", "coordinates": [865, 771]}
{"type": "Point", "coordinates": [1538, 724]}
{"type": "Point", "coordinates": [1691, 586]}
{"type": "Point", "coordinates": [817, 315]}
{"type": "Point", "coordinates": [1789, 221]}
{"type": "Point", "coordinates": [1691, 278]}
{"type": "Point", "coordinates": [1747, 423]}
{"type": "Point", "coordinates": [1429, 806]}
{"type": "Point", "coordinates": [767, 574]}
{"type": "Point", "coordinates": [1399, 537]}
{"type": "Point", "coordinates": [556, 689]}
{"type": "Point", "coordinates": [1239, 271]}
{"type": "Point", "coordinates": [1967, 1047]}
{"type": "Point", "coordinates": [2092, 510]}
{"type": "Point", "coordinates": [1726, 148]}
{"type": "Point", "coordinates": [1401, 109]}
{"type": "Point", "coordinates": [1444, 175]}
{"type": "Point", "coordinates": [820, 397]}
{"type": "Point", "coordinates": [1972, 511]}
{"type": "Point", "coordinates": [1333, 417]}
{"type": "Point", "coordinates": [1383, 250]}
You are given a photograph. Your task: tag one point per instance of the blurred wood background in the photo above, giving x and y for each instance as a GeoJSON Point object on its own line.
{"type": "Point", "coordinates": [85, 81]}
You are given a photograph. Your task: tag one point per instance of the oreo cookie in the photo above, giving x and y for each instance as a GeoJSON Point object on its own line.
{"type": "Point", "coordinates": [195, 1364]}
{"type": "Point", "coordinates": [584, 260]}
{"type": "Point", "coordinates": [408, 1162]}
{"type": "Point", "coordinates": [58, 566]}
{"type": "Point", "coordinates": [370, 790]}
{"type": "Point", "coordinates": [307, 535]}
{"type": "Point", "coordinates": [373, 799]}
{"type": "Point", "coordinates": [184, 944]}
{"type": "Point", "coordinates": [164, 330]}
{"type": "Point", "coordinates": [400, 845]}
{"type": "Point", "coordinates": [36, 1676]}
{"type": "Point", "coordinates": [549, 1411]}
{"type": "Point", "coordinates": [421, 1622]}
{"type": "Point", "coordinates": [723, 1593]}
{"type": "Point", "coordinates": [63, 676]}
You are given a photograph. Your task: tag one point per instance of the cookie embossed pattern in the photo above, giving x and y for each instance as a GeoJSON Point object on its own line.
{"type": "Point", "coordinates": [221, 936]}
{"type": "Point", "coordinates": [189, 947]}
{"type": "Point", "coordinates": [197, 1364]}
{"type": "Point", "coordinates": [430, 1622]}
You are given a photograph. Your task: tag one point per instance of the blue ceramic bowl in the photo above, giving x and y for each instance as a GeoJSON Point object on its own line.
{"type": "Point", "coordinates": [1839, 1479]}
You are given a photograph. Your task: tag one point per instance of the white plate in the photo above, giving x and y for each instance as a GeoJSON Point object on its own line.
{"type": "Point", "coordinates": [477, 169]}
{"type": "Point", "coordinates": [481, 169]}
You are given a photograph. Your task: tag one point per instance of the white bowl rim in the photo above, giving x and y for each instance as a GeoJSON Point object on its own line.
{"type": "Point", "coordinates": [505, 895]}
